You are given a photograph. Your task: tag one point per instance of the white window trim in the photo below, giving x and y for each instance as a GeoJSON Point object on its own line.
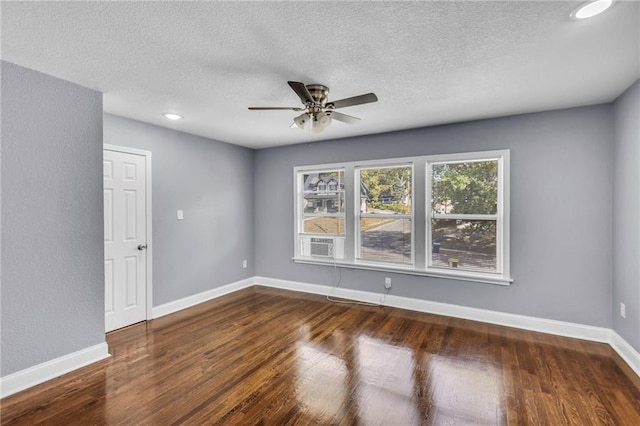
{"type": "Point", "coordinates": [298, 194]}
{"type": "Point", "coordinates": [359, 215]}
{"type": "Point", "coordinates": [501, 217]}
{"type": "Point", "coordinates": [421, 192]}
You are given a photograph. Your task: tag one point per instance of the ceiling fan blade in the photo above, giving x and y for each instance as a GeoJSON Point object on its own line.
{"type": "Point", "coordinates": [344, 117]}
{"type": "Point", "coordinates": [276, 108]}
{"type": "Point", "coordinates": [356, 100]}
{"type": "Point", "coordinates": [302, 91]}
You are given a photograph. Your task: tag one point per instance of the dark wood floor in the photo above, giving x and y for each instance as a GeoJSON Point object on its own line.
{"type": "Point", "coordinates": [272, 357]}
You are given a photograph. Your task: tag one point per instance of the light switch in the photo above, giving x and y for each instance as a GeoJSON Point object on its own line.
{"type": "Point", "coordinates": [180, 215]}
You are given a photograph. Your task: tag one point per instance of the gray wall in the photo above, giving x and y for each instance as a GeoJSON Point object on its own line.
{"type": "Point", "coordinates": [213, 183]}
{"type": "Point", "coordinates": [52, 218]}
{"type": "Point", "coordinates": [626, 215]}
{"type": "Point", "coordinates": [561, 179]}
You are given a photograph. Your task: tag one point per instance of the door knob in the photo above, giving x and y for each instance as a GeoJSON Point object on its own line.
{"type": "Point", "coordinates": [142, 246]}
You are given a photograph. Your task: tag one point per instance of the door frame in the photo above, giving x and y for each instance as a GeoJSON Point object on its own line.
{"type": "Point", "coordinates": [148, 216]}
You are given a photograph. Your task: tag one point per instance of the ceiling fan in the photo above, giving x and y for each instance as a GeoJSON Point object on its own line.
{"type": "Point", "coordinates": [318, 109]}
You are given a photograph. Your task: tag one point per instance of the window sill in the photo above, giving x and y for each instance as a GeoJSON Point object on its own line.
{"type": "Point", "coordinates": [454, 275]}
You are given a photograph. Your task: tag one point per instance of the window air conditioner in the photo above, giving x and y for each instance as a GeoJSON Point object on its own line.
{"type": "Point", "coordinates": [322, 247]}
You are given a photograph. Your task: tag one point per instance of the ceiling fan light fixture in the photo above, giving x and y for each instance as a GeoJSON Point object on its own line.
{"type": "Point", "coordinates": [324, 118]}
{"type": "Point", "coordinates": [321, 121]}
{"type": "Point", "coordinates": [591, 9]}
{"type": "Point", "coordinates": [301, 120]}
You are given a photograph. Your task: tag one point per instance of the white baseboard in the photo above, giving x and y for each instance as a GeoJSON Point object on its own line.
{"type": "Point", "coordinates": [54, 368]}
{"type": "Point", "coordinates": [626, 352]}
{"type": "Point", "coordinates": [559, 328]}
{"type": "Point", "coordinates": [187, 302]}
{"type": "Point", "coordinates": [297, 286]}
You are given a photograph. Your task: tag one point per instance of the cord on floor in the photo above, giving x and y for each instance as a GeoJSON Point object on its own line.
{"type": "Point", "coordinates": [336, 278]}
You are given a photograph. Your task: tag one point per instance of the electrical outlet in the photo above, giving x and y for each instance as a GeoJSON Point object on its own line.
{"type": "Point", "coordinates": [387, 283]}
{"type": "Point", "coordinates": [180, 215]}
{"type": "Point", "coordinates": [244, 264]}
{"type": "Point", "coordinates": [623, 310]}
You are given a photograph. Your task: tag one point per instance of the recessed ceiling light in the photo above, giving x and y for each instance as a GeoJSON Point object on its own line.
{"type": "Point", "coordinates": [172, 116]}
{"type": "Point", "coordinates": [590, 9]}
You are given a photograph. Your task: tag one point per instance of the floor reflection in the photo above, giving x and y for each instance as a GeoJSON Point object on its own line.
{"type": "Point", "coordinates": [386, 373]}
{"type": "Point", "coordinates": [374, 382]}
{"type": "Point", "coordinates": [322, 378]}
{"type": "Point", "coordinates": [450, 383]}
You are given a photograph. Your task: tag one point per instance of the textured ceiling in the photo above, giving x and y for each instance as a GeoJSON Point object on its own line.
{"type": "Point", "coordinates": [428, 62]}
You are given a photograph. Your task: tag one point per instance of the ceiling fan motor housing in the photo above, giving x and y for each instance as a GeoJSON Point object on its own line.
{"type": "Point", "coordinates": [319, 93]}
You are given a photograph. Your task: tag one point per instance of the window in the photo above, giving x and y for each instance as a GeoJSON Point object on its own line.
{"type": "Point", "coordinates": [464, 214]}
{"type": "Point", "coordinates": [321, 215]}
{"type": "Point", "coordinates": [441, 215]}
{"type": "Point", "coordinates": [385, 215]}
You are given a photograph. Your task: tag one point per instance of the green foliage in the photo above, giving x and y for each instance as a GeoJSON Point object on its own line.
{"type": "Point", "coordinates": [466, 188]}
{"type": "Point", "coordinates": [394, 207]}
{"type": "Point", "coordinates": [388, 188]}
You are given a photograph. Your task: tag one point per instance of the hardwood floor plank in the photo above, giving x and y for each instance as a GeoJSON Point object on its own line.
{"type": "Point", "coordinates": [264, 356]}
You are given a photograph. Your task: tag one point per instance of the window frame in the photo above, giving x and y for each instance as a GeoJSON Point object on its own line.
{"type": "Point", "coordinates": [299, 209]}
{"type": "Point", "coordinates": [501, 216]}
{"type": "Point", "coordinates": [359, 215]}
{"type": "Point", "coordinates": [421, 216]}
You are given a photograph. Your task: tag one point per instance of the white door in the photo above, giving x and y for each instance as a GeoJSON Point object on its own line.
{"type": "Point", "coordinates": [125, 254]}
